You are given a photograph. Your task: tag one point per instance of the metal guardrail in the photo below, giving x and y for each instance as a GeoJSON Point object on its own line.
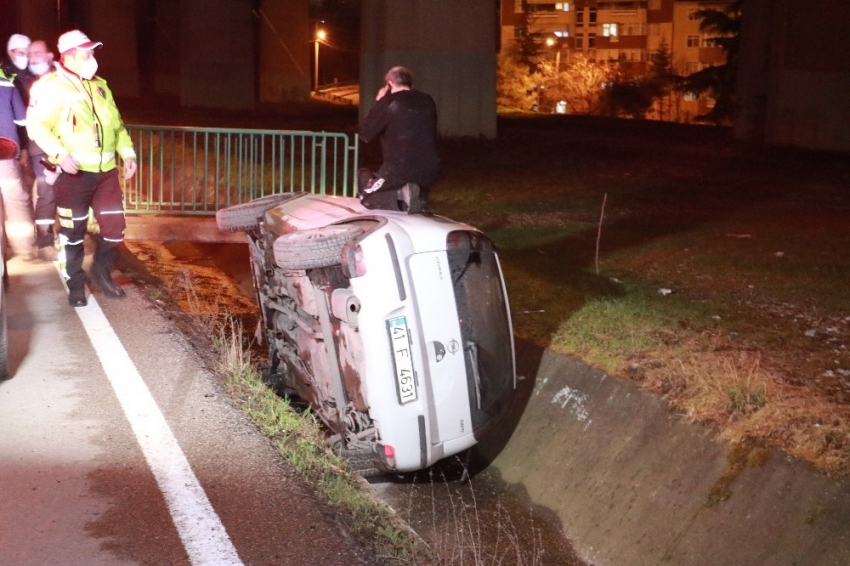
{"type": "Point", "coordinates": [196, 171]}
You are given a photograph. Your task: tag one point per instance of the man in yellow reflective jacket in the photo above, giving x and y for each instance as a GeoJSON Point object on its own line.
{"type": "Point", "coordinates": [72, 116]}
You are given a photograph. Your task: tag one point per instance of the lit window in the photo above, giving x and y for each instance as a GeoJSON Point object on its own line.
{"type": "Point", "coordinates": [609, 30]}
{"type": "Point", "coordinates": [562, 33]}
{"type": "Point", "coordinates": [565, 6]}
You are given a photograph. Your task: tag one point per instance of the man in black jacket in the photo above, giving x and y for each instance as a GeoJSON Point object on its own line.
{"type": "Point", "coordinates": [405, 120]}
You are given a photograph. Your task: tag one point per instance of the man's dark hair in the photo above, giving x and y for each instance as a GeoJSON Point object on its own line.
{"type": "Point", "coordinates": [400, 76]}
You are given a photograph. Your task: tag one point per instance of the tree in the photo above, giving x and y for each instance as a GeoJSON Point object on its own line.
{"type": "Point", "coordinates": [719, 80]}
{"type": "Point", "coordinates": [528, 49]}
{"type": "Point", "coordinates": [627, 96]}
{"type": "Point", "coordinates": [515, 86]}
{"type": "Point", "coordinates": [579, 83]}
{"type": "Point", "coordinates": [663, 81]}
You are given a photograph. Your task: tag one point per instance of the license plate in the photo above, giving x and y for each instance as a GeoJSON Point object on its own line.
{"type": "Point", "coordinates": [400, 344]}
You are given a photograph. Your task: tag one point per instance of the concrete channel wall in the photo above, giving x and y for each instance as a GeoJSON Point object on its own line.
{"type": "Point", "coordinates": [635, 484]}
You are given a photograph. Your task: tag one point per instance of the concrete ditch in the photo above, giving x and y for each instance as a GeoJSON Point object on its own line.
{"type": "Point", "coordinates": [634, 483]}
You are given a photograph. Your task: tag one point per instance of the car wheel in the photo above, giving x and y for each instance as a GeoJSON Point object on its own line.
{"type": "Point", "coordinates": [361, 461]}
{"type": "Point", "coordinates": [246, 216]}
{"type": "Point", "coordinates": [317, 247]}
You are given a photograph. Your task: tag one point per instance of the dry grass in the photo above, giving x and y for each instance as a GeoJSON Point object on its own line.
{"type": "Point", "coordinates": [754, 338]}
{"type": "Point", "coordinates": [460, 531]}
{"type": "Point", "coordinates": [712, 379]}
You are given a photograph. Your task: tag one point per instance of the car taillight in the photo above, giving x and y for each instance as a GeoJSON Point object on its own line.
{"type": "Point", "coordinates": [468, 240]}
{"type": "Point", "coordinates": [353, 262]}
{"type": "Point", "coordinates": [389, 456]}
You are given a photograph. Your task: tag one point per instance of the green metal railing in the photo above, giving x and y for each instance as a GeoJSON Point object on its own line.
{"type": "Point", "coordinates": [196, 171]}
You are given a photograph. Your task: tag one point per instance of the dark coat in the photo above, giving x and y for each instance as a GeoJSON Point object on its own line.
{"type": "Point", "coordinates": [406, 123]}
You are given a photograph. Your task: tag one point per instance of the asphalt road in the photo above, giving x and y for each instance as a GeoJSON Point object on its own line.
{"type": "Point", "coordinates": [117, 447]}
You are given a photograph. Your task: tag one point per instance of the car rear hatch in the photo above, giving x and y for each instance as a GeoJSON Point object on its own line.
{"type": "Point", "coordinates": [470, 359]}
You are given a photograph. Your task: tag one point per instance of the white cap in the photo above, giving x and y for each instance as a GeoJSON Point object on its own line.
{"type": "Point", "coordinates": [18, 41]}
{"type": "Point", "coordinates": [76, 39]}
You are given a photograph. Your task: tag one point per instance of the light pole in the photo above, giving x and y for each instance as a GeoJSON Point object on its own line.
{"type": "Point", "coordinates": [551, 42]}
{"type": "Point", "coordinates": [320, 36]}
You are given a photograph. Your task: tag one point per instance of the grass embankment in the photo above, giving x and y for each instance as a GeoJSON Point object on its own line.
{"type": "Point", "coordinates": [210, 312]}
{"type": "Point", "coordinates": [720, 281]}
{"type": "Point", "coordinates": [298, 437]}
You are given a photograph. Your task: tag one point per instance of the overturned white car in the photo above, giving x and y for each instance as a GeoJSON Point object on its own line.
{"type": "Point", "coordinates": [395, 327]}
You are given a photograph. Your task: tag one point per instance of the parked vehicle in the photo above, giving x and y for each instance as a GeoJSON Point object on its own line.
{"type": "Point", "coordinates": [395, 327]}
{"type": "Point", "coordinates": [8, 150]}
{"type": "Point", "coordinates": [4, 284]}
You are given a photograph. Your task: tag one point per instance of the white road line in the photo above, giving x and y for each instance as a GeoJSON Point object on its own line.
{"type": "Point", "coordinates": [198, 525]}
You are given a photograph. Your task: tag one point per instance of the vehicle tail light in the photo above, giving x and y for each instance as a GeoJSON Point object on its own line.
{"type": "Point", "coordinates": [468, 240]}
{"type": "Point", "coordinates": [389, 456]}
{"type": "Point", "coordinates": [353, 262]}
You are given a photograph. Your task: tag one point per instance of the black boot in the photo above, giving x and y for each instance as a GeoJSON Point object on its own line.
{"type": "Point", "coordinates": [101, 278]}
{"type": "Point", "coordinates": [71, 264]}
{"type": "Point", "coordinates": [412, 196]}
{"type": "Point", "coordinates": [77, 297]}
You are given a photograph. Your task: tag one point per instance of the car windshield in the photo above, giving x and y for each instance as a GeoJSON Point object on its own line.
{"type": "Point", "coordinates": [485, 326]}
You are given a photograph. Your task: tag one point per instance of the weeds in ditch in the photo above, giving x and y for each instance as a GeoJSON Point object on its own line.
{"type": "Point", "coordinates": [461, 531]}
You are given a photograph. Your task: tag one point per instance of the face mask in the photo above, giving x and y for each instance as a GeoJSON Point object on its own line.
{"type": "Point", "coordinates": [20, 62]}
{"type": "Point", "coordinates": [88, 68]}
{"type": "Point", "coordinates": [39, 68]}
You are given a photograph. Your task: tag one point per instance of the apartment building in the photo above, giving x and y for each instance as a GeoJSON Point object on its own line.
{"type": "Point", "coordinates": [623, 32]}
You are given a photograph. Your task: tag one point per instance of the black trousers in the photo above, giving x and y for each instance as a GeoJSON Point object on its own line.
{"type": "Point", "coordinates": [45, 204]}
{"type": "Point", "coordinates": [381, 191]}
{"type": "Point", "coordinates": [75, 194]}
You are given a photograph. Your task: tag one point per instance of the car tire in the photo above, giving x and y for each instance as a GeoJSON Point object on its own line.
{"type": "Point", "coordinates": [317, 247]}
{"type": "Point", "coordinates": [362, 462]}
{"type": "Point", "coordinates": [246, 216]}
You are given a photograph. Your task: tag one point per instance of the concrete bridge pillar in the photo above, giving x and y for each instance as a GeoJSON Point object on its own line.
{"type": "Point", "coordinates": [449, 45]}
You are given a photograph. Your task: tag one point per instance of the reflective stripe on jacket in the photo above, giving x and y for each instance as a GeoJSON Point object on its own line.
{"type": "Point", "coordinates": [71, 115]}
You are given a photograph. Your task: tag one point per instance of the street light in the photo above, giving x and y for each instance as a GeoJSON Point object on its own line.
{"type": "Point", "coordinates": [320, 37]}
{"type": "Point", "coordinates": [550, 42]}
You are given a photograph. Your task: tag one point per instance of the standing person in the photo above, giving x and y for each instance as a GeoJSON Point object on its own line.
{"type": "Point", "coordinates": [40, 63]}
{"type": "Point", "coordinates": [72, 116]}
{"type": "Point", "coordinates": [406, 122]}
{"type": "Point", "coordinates": [16, 198]}
{"type": "Point", "coordinates": [17, 48]}
{"type": "Point", "coordinates": [15, 67]}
